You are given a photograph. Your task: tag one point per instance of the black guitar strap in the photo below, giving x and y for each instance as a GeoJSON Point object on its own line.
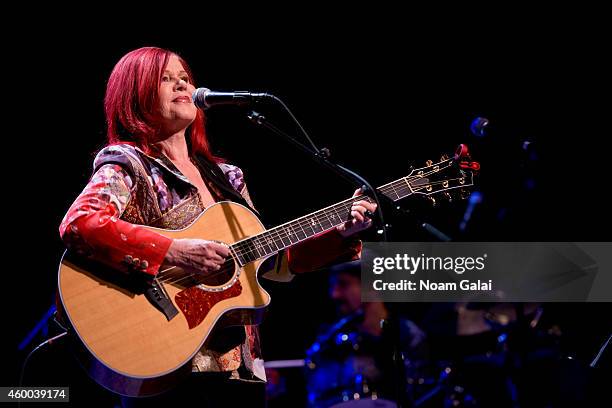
{"type": "Point", "coordinates": [212, 172]}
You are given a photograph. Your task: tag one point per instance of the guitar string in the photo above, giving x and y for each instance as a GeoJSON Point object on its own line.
{"type": "Point", "coordinates": [262, 240]}
{"type": "Point", "coordinates": [419, 187]}
{"type": "Point", "coordinates": [301, 223]}
{"type": "Point", "coordinates": [228, 265]}
{"type": "Point", "coordinates": [269, 238]}
{"type": "Point", "coordinates": [240, 251]}
{"type": "Point", "coordinates": [405, 182]}
{"type": "Point", "coordinates": [163, 274]}
{"type": "Point", "coordinates": [246, 247]}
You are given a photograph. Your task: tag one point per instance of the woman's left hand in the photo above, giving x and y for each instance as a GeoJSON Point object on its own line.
{"type": "Point", "coordinates": [360, 220]}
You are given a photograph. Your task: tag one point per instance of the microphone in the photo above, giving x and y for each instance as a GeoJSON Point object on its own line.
{"type": "Point", "coordinates": [480, 127]}
{"type": "Point", "coordinates": [204, 98]}
{"type": "Point", "coordinates": [475, 198]}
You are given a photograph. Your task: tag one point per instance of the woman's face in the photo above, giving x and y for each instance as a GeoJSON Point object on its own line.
{"type": "Point", "coordinates": [176, 106]}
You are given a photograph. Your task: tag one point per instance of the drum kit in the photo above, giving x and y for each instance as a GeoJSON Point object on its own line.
{"type": "Point", "coordinates": [343, 368]}
{"type": "Point", "coordinates": [498, 354]}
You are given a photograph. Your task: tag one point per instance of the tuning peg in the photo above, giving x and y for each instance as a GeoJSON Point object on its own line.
{"type": "Point", "coordinates": [444, 157]}
{"type": "Point", "coordinates": [448, 196]}
{"type": "Point", "coordinates": [428, 163]}
{"type": "Point", "coordinates": [433, 201]}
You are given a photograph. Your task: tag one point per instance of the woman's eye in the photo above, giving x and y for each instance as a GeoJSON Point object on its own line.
{"type": "Point", "coordinates": [186, 79]}
{"type": "Point", "coordinates": [165, 78]}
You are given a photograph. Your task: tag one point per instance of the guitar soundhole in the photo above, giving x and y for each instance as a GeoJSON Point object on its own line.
{"type": "Point", "coordinates": [220, 277]}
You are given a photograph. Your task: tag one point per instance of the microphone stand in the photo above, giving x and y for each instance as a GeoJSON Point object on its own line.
{"type": "Point", "coordinates": [322, 157]}
{"type": "Point", "coordinates": [601, 350]}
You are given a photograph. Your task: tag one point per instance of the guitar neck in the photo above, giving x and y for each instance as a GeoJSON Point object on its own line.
{"type": "Point", "coordinates": [425, 180]}
{"type": "Point", "coordinates": [293, 232]}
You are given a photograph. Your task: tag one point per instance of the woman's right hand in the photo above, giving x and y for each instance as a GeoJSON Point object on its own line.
{"type": "Point", "coordinates": [197, 255]}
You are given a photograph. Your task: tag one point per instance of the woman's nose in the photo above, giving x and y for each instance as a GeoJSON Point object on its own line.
{"type": "Point", "coordinates": [181, 84]}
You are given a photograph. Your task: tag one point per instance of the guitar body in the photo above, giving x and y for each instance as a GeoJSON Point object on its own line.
{"type": "Point", "coordinates": [128, 345]}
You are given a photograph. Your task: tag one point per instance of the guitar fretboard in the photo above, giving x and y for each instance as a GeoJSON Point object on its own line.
{"type": "Point", "coordinates": [294, 232]}
{"type": "Point", "coordinates": [286, 235]}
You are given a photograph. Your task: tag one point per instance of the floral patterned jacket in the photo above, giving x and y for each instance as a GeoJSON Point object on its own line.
{"type": "Point", "coordinates": [130, 188]}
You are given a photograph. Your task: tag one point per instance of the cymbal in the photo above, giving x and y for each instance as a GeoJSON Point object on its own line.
{"type": "Point", "coordinates": [479, 317]}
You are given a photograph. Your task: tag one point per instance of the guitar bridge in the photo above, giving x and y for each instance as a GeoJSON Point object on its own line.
{"type": "Point", "coordinates": [158, 297]}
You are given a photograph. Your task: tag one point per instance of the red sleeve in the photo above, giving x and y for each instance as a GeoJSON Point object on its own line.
{"type": "Point", "coordinates": [92, 226]}
{"type": "Point", "coordinates": [323, 250]}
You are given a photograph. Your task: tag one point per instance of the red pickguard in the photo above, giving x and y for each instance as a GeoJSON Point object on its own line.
{"type": "Point", "coordinates": [196, 303]}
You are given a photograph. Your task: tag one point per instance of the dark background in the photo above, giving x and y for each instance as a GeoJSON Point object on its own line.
{"type": "Point", "coordinates": [381, 96]}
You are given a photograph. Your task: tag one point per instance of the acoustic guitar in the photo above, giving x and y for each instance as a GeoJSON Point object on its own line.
{"type": "Point", "coordinates": [137, 337]}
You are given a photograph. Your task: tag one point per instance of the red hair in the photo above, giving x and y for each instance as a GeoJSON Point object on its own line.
{"type": "Point", "coordinates": [132, 100]}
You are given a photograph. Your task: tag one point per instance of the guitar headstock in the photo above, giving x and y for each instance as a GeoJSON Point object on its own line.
{"type": "Point", "coordinates": [450, 178]}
